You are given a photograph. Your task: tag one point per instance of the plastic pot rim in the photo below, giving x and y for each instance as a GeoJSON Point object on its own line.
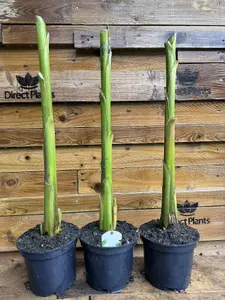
{"type": "Point", "coordinates": [171, 246]}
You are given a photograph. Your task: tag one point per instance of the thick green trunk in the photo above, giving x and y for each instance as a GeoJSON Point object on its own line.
{"type": "Point", "coordinates": [52, 216]}
{"type": "Point", "coordinates": [169, 205]}
{"type": "Point", "coordinates": [108, 206]}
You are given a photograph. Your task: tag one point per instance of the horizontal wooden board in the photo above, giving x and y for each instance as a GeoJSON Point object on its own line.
{"type": "Point", "coordinates": [27, 205]}
{"type": "Point", "coordinates": [150, 179]}
{"type": "Point", "coordinates": [214, 56]}
{"type": "Point", "coordinates": [24, 11]}
{"type": "Point", "coordinates": [123, 114]}
{"type": "Point", "coordinates": [211, 222]}
{"type": "Point", "coordinates": [64, 59]}
{"type": "Point", "coordinates": [64, 34]}
{"type": "Point", "coordinates": [28, 184]}
{"type": "Point", "coordinates": [194, 82]}
{"type": "Point", "coordinates": [139, 12]}
{"type": "Point", "coordinates": [124, 156]}
{"type": "Point", "coordinates": [26, 34]}
{"type": "Point", "coordinates": [147, 37]}
{"type": "Point", "coordinates": [121, 135]}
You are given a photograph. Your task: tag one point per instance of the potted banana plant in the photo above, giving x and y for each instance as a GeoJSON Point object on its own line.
{"type": "Point", "coordinates": [108, 243]}
{"type": "Point", "coordinates": [49, 248]}
{"type": "Point", "coordinates": [168, 243]}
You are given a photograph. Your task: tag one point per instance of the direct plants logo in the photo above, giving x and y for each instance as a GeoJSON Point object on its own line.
{"type": "Point", "coordinates": [188, 210]}
{"type": "Point", "coordinates": [24, 87]}
{"type": "Point", "coordinates": [28, 82]}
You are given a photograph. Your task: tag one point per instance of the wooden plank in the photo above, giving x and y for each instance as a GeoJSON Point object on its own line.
{"type": "Point", "coordinates": [148, 37]}
{"type": "Point", "coordinates": [12, 226]}
{"type": "Point", "coordinates": [138, 12]}
{"type": "Point", "coordinates": [28, 184]}
{"type": "Point", "coordinates": [194, 82]}
{"type": "Point", "coordinates": [123, 114]}
{"type": "Point", "coordinates": [26, 60]}
{"type": "Point", "coordinates": [203, 282]}
{"type": "Point", "coordinates": [150, 179]}
{"type": "Point", "coordinates": [207, 296]}
{"type": "Point", "coordinates": [26, 34]}
{"type": "Point", "coordinates": [207, 248]}
{"type": "Point", "coordinates": [64, 34]}
{"type": "Point", "coordinates": [31, 205]}
{"type": "Point", "coordinates": [214, 56]}
{"type": "Point", "coordinates": [29, 159]}
{"type": "Point", "coordinates": [121, 135]}
{"type": "Point", "coordinates": [24, 11]}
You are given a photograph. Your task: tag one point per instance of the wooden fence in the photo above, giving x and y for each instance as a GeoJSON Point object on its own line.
{"type": "Point", "coordinates": [138, 30]}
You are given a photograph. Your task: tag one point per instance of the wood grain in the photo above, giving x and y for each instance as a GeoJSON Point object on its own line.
{"type": "Point", "coordinates": [26, 34]}
{"type": "Point", "coordinates": [194, 82]}
{"type": "Point", "coordinates": [31, 159]}
{"type": "Point", "coordinates": [148, 37]}
{"type": "Point", "coordinates": [123, 114]}
{"type": "Point", "coordinates": [150, 179]}
{"type": "Point", "coordinates": [64, 34]}
{"type": "Point", "coordinates": [64, 59]}
{"type": "Point", "coordinates": [137, 12]}
{"type": "Point", "coordinates": [121, 135]}
{"type": "Point", "coordinates": [79, 124]}
{"type": "Point", "coordinates": [31, 184]}
{"type": "Point", "coordinates": [24, 11]}
{"type": "Point", "coordinates": [198, 56]}
{"type": "Point", "coordinates": [31, 205]}
{"type": "Point", "coordinates": [12, 226]}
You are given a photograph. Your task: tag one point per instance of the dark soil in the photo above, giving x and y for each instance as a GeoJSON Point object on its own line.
{"type": "Point", "coordinates": [33, 241]}
{"type": "Point", "coordinates": [174, 235]}
{"type": "Point", "coordinates": [91, 234]}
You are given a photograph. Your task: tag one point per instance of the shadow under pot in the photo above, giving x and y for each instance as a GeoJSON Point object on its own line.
{"type": "Point", "coordinates": [108, 268]}
{"type": "Point", "coordinates": [168, 254]}
{"type": "Point", "coordinates": [50, 261]}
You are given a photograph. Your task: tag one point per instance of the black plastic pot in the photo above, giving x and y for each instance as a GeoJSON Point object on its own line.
{"type": "Point", "coordinates": [168, 267]}
{"type": "Point", "coordinates": [51, 272]}
{"type": "Point", "coordinates": [108, 269]}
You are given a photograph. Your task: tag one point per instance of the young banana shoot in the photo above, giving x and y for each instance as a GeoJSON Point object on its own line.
{"type": "Point", "coordinates": [169, 204]}
{"type": "Point", "coordinates": [108, 207]}
{"type": "Point", "coordinates": [52, 215]}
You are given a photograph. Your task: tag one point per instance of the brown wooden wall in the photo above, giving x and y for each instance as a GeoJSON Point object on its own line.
{"type": "Point", "coordinates": [138, 29]}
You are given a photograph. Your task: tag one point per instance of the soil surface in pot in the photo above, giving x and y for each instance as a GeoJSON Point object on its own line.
{"type": "Point", "coordinates": [173, 235]}
{"type": "Point", "coordinates": [91, 234]}
{"type": "Point", "coordinates": [33, 241]}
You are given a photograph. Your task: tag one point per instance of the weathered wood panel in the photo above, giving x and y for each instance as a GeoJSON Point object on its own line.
{"type": "Point", "coordinates": [64, 35]}
{"type": "Point", "coordinates": [148, 37]}
{"type": "Point", "coordinates": [64, 59]}
{"type": "Point", "coordinates": [31, 159]}
{"type": "Point", "coordinates": [26, 34]}
{"type": "Point", "coordinates": [150, 179]}
{"type": "Point", "coordinates": [214, 56]}
{"type": "Point", "coordinates": [121, 135]}
{"type": "Point", "coordinates": [211, 222]}
{"type": "Point", "coordinates": [24, 11]}
{"type": "Point", "coordinates": [127, 201]}
{"type": "Point", "coordinates": [139, 12]}
{"type": "Point", "coordinates": [123, 114]}
{"type": "Point", "coordinates": [28, 184]}
{"type": "Point", "coordinates": [194, 82]}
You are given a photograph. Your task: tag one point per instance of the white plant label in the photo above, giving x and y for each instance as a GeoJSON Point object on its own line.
{"type": "Point", "coordinates": [111, 239]}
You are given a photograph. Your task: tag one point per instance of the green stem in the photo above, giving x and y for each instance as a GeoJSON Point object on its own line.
{"type": "Point", "coordinates": [169, 205]}
{"type": "Point", "coordinates": [108, 206]}
{"type": "Point", "coordinates": [52, 215]}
